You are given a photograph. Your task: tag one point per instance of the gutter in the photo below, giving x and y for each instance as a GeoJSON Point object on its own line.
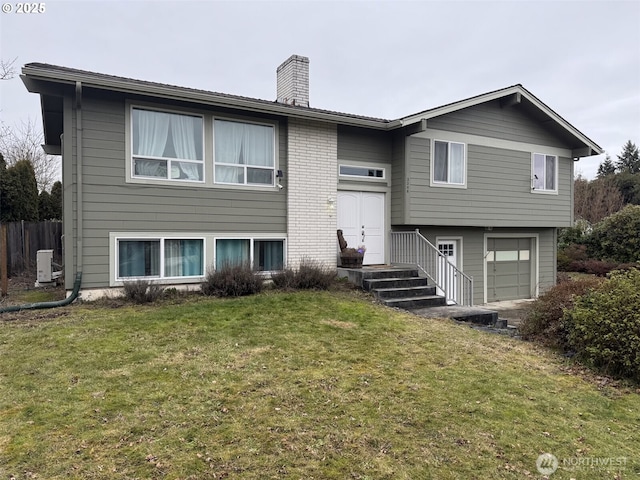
{"type": "Point", "coordinates": [200, 96]}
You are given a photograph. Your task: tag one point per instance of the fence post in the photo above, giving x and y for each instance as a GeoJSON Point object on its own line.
{"type": "Point", "coordinates": [4, 267]}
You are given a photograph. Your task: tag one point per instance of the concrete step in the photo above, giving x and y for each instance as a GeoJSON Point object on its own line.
{"type": "Point", "coordinates": [477, 315]}
{"type": "Point", "coordinates": [358, 275]}
{"type": "Point", "coordinates": [403, 292]}
{"type": "Point", "coordinates": [411, 303]}
{"type": "Point", "coordinates": [393, 282]}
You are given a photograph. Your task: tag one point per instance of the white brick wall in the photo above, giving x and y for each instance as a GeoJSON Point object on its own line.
{"type": "Point", "coordinates": [312, 183]}
{"type": "Point", "coordinates": [293, 81]}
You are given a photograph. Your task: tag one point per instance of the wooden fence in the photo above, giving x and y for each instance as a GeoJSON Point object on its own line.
{"type": "Point", "coordinates": [24, 239]}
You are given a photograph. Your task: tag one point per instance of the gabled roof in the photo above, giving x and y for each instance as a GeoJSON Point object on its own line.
{"type": "Point", "coordinates": [38, 76]}
{"type": "Point", "coordinates": [516, 94]}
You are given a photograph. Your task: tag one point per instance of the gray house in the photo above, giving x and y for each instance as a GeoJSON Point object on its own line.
{"type": "Point", "coordinates": [165, 182]}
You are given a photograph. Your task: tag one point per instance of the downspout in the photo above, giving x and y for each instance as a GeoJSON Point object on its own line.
{"type": "Point", "coordinates": [79, 207]}
{"type": "Point", "coordinates": [78, 280]}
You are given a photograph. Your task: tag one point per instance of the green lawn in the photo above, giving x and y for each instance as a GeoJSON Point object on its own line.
{"type": "Point", "coordinates": [295, 385]}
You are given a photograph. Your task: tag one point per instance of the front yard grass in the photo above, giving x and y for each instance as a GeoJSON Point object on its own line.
{"type": "Point", "coordinates": [295, 385]}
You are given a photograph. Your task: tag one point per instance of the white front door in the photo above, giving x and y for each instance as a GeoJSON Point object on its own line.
{"type": "Point", "coordinates": [361, 219]}
{"type": "Point", "coordinates": [448, 276]}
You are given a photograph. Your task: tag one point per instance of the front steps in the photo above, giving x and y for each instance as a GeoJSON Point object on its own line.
{"type": "Point", "coordinates": [404, 288]}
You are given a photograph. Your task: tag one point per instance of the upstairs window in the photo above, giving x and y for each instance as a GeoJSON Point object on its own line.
{"type": "Point", "coordinates": [244, 153]}
{"type": "Point", "coordinates": [545, 172]}
{"type": "Point", "coordinates": [449, 163]}
{"type": "Point", "coordinates": [167, 145]}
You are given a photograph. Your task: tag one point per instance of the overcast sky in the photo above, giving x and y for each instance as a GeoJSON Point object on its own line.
{"type": "Point", "coordinates": [382, 59]}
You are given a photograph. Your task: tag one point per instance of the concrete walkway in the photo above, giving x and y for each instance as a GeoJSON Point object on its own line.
{"type": "Point", "coordinates": [506, 314]}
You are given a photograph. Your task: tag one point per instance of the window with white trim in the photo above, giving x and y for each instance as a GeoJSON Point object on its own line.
{"type": "Point", "coordinates": [167, 145]}
{"type": "Point", "coordinates": [544, 172]}
{"type": "Point", "coordinates": [244, 153]}
{"type": "Point", "coordinates": [448, 163]}
{"type": "Point", "coordinates": [264, 255]}
{"type": "Point", "coordinates": [159, 258]}
{"type": "Point", "coordinates": [353, 171]}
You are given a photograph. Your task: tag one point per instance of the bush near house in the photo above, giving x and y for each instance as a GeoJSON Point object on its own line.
{"type": "Point", "coordinates": [604, 325]}
{"type": "Point", "coordinates": [543, 321]}
{"type": "Point", "coordinates": [232, 280]}
{"type": "Point", "coordinates": [141, 291]}
{"type": "Point", "coordinates": [616, 237]}
{"type": "Point", "coordinates": [310, 275]}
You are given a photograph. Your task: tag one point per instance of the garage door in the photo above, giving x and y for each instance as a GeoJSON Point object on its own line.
{"type": "Point", "coordinates": [508, 269]}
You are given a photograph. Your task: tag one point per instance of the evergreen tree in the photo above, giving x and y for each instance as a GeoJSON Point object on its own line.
{"type": "Point", "coordinates": [20, 199]}
{"type": "Point", "coordinates": [606, 168]}
{"type": "Point", "coordinates": [629, 159]}
{"type": "Point", "coordinates": [56, 200]}
{"type": "Point", "coordinates": [45, 207]}
{"type": "Point", "coordinates": [629, 186]}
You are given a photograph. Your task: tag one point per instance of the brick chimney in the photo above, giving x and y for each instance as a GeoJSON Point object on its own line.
{"type": "Point", "coordinates": [293, 81]}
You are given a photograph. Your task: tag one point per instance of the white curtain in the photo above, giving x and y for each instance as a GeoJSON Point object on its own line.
{"type": "Point", "coordinates": [538, 171]}
{"type": "Point", "coordinates": [550, 173]}
{"type": "Point", "coordinates": [228, 149]}
{"type": "Point", "coordinates": [242, 144]}
{"type": "Point", "coordinates": [440, 164]}
{"type": "Point", "coordinates": [182, 132]}
{"type": "Point", "coordinates": [456, 163]}
{"type": "Point", "coordinates": [152, 130]}
{"type": "Point", "coordinates": [258, 145]}
{"type": "Point", "coordinates": [172, 258]}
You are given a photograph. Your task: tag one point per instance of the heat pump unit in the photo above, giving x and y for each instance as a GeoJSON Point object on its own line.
{"type": "Point", "coordinates": [45, 266]}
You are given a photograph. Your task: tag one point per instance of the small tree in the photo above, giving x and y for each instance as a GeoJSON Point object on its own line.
{"type": "Point", "coordinates": [45, 209]}
{"type": "Point", "coordinates": [617, 237]}
{"type": "Point", "coordinates": [629, 159]}
{"type": "Point", "coordinates": [56, 200]}
{"type": "Point", "coordinates": [607, 167]}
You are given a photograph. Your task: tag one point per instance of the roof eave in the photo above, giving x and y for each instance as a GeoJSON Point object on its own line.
{"type": "Point", "coordinates": [591, 146]}
{"type": "Point", "coordinates": [205, 98]}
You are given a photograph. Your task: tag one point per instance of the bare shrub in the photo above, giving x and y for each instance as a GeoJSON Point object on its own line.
{"type": "Point", "coordinates": [310, 275]}
{"type": "Point", "coordinates": [232, 280]}
{"type": "Point", "coordinates": [141, 291]}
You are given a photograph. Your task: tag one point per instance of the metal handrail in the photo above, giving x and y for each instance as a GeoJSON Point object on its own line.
{"type": "Point", "coordinates": [411, 248]}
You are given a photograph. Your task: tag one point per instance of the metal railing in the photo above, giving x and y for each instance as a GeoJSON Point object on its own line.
{"type": "Point", "coordinates": [411, 248]}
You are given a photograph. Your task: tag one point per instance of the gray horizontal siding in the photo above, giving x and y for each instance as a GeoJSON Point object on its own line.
{"type": "Point", "coordinates": [490, 120]}
{"type": "Point", "coordinates": [398, 180]}
{"type": "Point", "coordinates": [498, 192]}
{"type": "Point", "coordinates": [111, 204]}
{"type": "Point", "coordinates": [473, 253]}
{"type": "Point", "coordinates": [358, 144]}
